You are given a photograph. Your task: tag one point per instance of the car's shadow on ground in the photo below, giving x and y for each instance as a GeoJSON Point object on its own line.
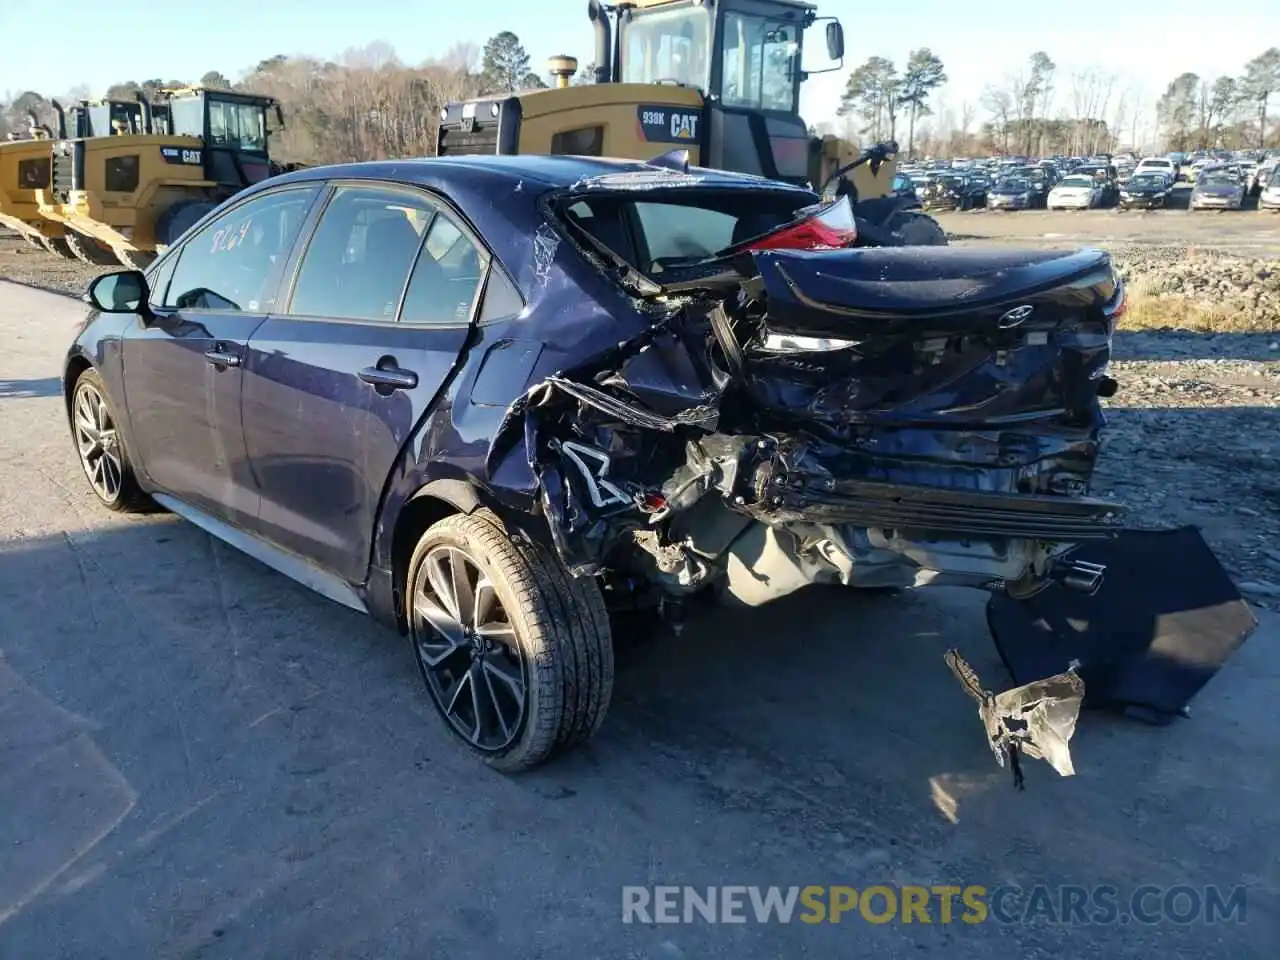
{"type": "Point", "coordinates": [41, 387]}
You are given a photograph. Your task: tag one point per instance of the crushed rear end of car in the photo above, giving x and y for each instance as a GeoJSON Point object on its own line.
{"type": "Point", "coordinates": [798, 412]}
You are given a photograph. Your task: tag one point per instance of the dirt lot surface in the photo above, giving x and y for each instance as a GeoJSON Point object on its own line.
{"type": "Point", "coordinates": [201, 759]}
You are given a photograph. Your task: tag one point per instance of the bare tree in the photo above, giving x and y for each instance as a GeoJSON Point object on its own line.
{"type": "Point", "coordinates": [999, 103]}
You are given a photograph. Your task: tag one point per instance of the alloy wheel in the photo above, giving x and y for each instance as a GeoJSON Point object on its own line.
{"type": "Point", "coordinates": [98, 442]}
{"type": "Point", "coordinates": [467, 648]}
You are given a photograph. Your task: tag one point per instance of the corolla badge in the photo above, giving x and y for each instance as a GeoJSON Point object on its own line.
{"type": "Point", "coordinates": [1011, 318]}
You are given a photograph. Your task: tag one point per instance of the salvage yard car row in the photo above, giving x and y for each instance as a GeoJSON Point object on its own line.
{"type": "Point", "coordinates": [1147, 185]}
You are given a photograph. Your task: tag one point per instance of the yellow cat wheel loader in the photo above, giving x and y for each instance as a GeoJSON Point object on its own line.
{"type": "Point", "coordinates": [127, 180]}
{"type": "Point", "coordinates": [719, 79]}
{"type": "Point", "coordinates": [26, 162]}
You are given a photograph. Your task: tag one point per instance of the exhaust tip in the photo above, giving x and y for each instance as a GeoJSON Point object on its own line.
{"type": "Point", "coordinates": [1081, 576]}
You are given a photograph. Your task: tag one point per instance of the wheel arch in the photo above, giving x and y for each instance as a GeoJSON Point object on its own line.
{"type": "Point", "coordinates": [76, 365]}
{"type": "Point", "coordinates": [429, 504]}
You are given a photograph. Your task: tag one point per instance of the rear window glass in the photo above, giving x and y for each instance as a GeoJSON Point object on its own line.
{"type": "Point", "coordinates": [660, 232]}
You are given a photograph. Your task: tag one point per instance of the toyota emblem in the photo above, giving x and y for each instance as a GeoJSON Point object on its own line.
{"type": "Point", "coordinates": [1011, 318]}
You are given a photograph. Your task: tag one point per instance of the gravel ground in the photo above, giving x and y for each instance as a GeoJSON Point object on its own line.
{"type": "Point", "coordinates": [201, 759]}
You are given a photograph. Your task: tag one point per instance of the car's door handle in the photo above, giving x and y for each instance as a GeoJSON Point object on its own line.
{"type": "Point", "coordinates": [393, 378]}
{"type": "Point", "coordinates": [221, 358]}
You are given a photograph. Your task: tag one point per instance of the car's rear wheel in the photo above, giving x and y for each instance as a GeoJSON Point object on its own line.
{"type": "Point", "coordinates": [101, 447]}
{"type": "Point", "coordinates": [515, 652]}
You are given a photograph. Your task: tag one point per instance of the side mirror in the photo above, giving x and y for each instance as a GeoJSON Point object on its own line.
{"type": "Point", "coordinates": [122, 292]}
{"type": "Point", "coordinates": [835, 40]}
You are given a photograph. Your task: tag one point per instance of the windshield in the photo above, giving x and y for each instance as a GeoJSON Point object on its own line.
{"type": "Point", "coordinates": [1218, 178]}
{"type": "Point", "coordinates": [1077, 182]}
{"type": "Point", "coordinates": [667, 45]}
{"type": "Point", "coordinates": [759, 63]}
{"type": "Point", "coordinates": [1013, 186]}
{"type": "Point", "coordinates": [186, 116]}
{"type": "Point", "coordinates": [238, 125]}
{"type": "Point", "coordinates": [1157, 164]}
{"type": "Point", "coordinates": [1148, 180]}
{"type": "Point", "coordinates": [1275, 178]}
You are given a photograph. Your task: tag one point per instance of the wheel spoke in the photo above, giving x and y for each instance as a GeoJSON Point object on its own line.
{"type": "Point", "coordinates": [427, 609]}
{"type": "Point", "coordinates": [464, 596]}
{"type": "Point", "coordinates": [494, 705]}
{"type": "Point", "coordinates": [442, 584]}
{"type": "Point", "coordinates": [498, 667]}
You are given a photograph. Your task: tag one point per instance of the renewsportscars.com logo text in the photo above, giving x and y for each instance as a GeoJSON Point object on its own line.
{"type": "Point", "coordinates": [941, 903]}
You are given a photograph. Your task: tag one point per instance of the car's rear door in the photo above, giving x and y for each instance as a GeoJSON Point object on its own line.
{"type": "Point", "coordinates": [378, 314]}
{"type": "Point", "coordinates": [184, 368]}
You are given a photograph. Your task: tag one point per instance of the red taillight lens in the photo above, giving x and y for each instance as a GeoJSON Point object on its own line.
{"type": "Point", "coordinates": [830, 228]}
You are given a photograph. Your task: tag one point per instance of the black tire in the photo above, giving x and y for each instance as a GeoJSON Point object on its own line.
{"type": "Point", "coordinates": [135, 259]}
{"type": "Point", "coordinates": [88, 250]}
{"type": "Point", "coordinates": [916, 229]}
{"type": "Point", "coordinates": [558, 627]}
{"type": "Point", "coordinates": [126, 496]}
{"type": "Point", "coordinates": [58, 247]}
{"type": "Point", "coordinates": [180, 218]}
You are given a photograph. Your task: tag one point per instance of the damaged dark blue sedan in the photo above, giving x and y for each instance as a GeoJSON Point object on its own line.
{"type": "Point", "coordinates": [490, 399]}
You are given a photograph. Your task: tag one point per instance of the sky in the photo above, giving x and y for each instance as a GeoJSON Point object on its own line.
{"type": "Point", "coordinates": [1144, 44]}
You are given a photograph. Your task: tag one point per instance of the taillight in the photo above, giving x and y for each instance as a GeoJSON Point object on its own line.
{"type": "Point", "coordinates": [831, 228]}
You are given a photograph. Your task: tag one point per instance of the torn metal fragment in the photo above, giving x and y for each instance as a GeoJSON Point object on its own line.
{"type": "Point", "coordinates": [1037, 718]}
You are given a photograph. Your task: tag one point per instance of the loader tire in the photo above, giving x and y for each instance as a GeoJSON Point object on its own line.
{"type": "Point", "coordinates": [180, 218]}
{"type": "Point", "coordinates": [919, 230]}
{"type": "Point", "coordinates": [90, 251]}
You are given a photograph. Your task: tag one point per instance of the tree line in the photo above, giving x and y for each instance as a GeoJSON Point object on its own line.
{"type": "Point", "coordinates": [1035, 110]}
{"type": "Point", "coordinates": [365, 105]}
{"type": "Point", "coordinates": [368, 104]}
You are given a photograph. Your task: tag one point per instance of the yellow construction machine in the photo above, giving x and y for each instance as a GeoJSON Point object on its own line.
{"type": "Point", "coordinates": [127, 179]}
{"type": "Point", "coordinates": [26, 161]}
{"type": "Point", "coordinates": [720, 79]}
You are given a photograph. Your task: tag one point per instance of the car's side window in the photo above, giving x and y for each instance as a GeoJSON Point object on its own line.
{"type": "Point", "coordinates": [446, 277]}
{"type": "Point", "coordinates": [358, 261]}
{"type": "Point", "coordinates": [159, 280]}
{"type": "Point", "coordinates": [232, 263]}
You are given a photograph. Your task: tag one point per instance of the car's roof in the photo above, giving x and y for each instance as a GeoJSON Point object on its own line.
{"type": "Point", "coordinates": [553, 171]}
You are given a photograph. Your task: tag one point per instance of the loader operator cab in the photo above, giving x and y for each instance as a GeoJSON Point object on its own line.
{"type": "Point", "coordinates": [719, 78]}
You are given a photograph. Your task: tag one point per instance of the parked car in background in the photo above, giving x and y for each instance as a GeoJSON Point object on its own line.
{"type": "Point", "coordinates": [1146, 191]}
{"type": "Point", "coordinates": [1249, 173]}
{"type": "Point", "coordinates": [1076, 192]}
{"type": "Point", "coordinates": [1157, 165]}
{"type": "Point", "coordinates": [1269, 198]}
{"type": "Point", "coordinates": [954, 191]}
{"type": "Point", "coordinates": [1012, 193]}
{"type": "Point", "coordinates": [1218, 188]}
{"type": "Point", "coordinates": [482, 422]}
{"type": "Point", "coordinates": [903, 185]}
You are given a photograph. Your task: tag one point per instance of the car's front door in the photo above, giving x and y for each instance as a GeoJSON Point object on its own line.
{"type": "Point", "coordinates": [336, 381]}
{"type": "Point", "coordinates": [183, 367]}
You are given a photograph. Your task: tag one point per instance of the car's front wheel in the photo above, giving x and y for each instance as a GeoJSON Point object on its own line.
{"type": "Point", "coordinates": [101, 448]}
{"type": "Point", "coordinates": [515, 652]}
